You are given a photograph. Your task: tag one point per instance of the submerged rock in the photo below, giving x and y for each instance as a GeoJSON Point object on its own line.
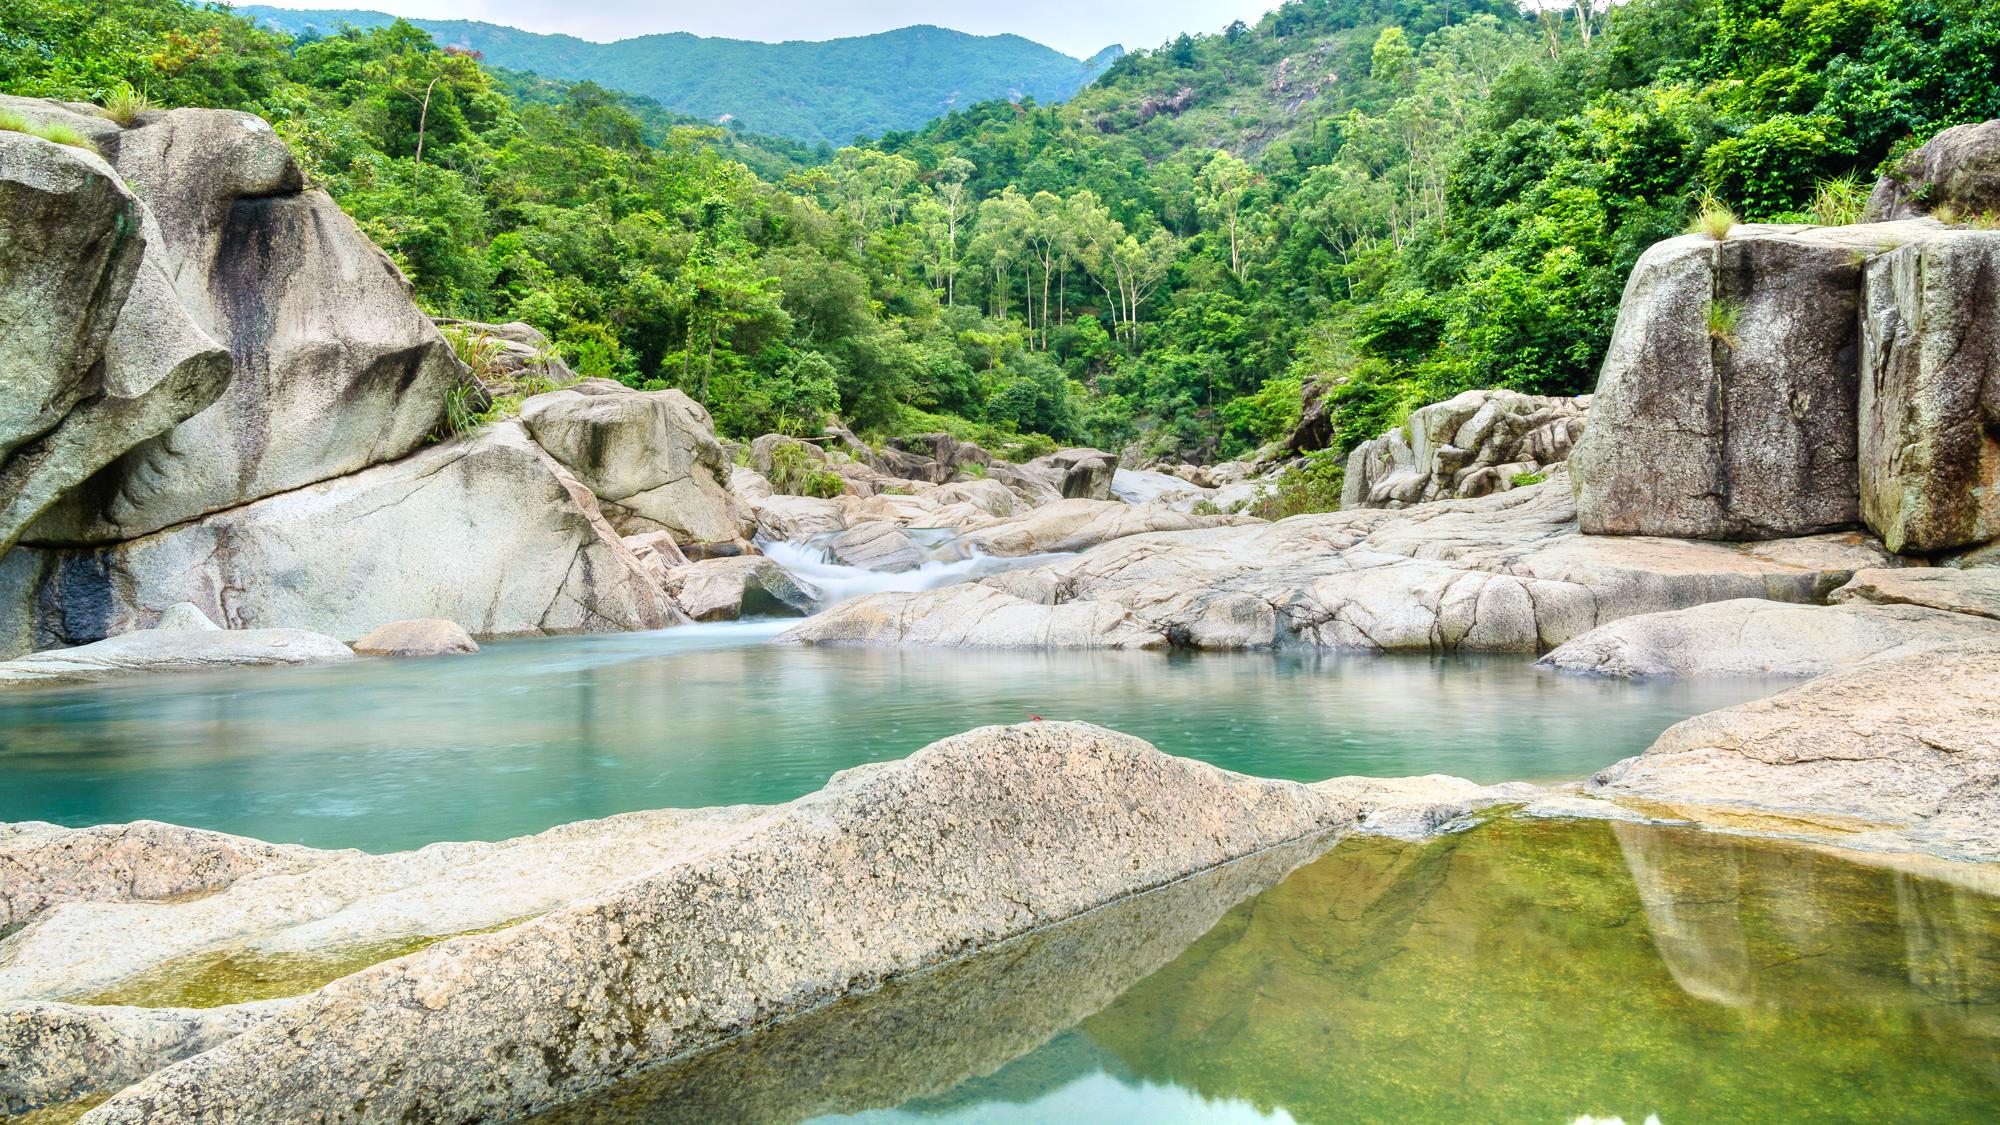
{"type": "Point", "coordinates": [1754, 637]}
{"type": "Point", "coordinates": [1896, 753]}
{"type": "Point", "coordinates": [172, 650]}
{"type": "Point", "coordinates": [424, 636]}
{"type": "Point", "coordinates": [891, 868]}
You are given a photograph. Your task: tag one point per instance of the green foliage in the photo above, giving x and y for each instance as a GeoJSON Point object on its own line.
{"type": "Point", "coordinates": [1723, 317]}
{"type": "Point", "coordinates": [1523, 480]}
{"type": "Point", "coordinates": [1312, 485]}
{"type": "Point", "coordinates": [795, 473]}
{"type": "Point", "coordinates": [124, 105]}
{"type": "Point", "coordinates": [461, 413]}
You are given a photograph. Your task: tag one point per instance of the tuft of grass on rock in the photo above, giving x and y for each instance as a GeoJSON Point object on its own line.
{"type": "Point", "coordinates": [1714, 219]}
{"type": "Point", "coordinates": [53, 132]}
{"type": "Point", "coordinates": [124, 105]}
{"type": "Point", "coordinates": [1839, 200]}
{"type": "Point", "coordinates": [1723, 317]}
{"type": "Point", "coordinates": [1523, 480]}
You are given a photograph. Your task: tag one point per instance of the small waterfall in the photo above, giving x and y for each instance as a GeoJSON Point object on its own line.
{"type": "Point", "coordinates": [951, 561]}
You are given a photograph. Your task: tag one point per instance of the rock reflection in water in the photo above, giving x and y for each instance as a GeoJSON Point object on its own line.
{"type": "Point", "coordinates": [930, 1031]}
{"type": "Point", "coordinates": [1537, 971]}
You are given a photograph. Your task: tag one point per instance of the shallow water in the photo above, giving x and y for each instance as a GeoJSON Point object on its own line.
{"type": "Point", "coordinates": [528, 734]}
{"type": "Point", "coordinates": [1530, 971]}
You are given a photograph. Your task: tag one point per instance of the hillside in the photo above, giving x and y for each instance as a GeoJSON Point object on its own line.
{"type": "Point", "coordinates": [818, 92]}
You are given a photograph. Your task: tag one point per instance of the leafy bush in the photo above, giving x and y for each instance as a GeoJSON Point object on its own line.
{"type": "Point", "coordinates": [1312, 485]}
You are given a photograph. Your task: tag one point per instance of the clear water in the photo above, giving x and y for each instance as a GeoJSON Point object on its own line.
{"type": "Point", "coordinates": [383, 755]}
{"type": "Point", "coordinates": [1524, 971]}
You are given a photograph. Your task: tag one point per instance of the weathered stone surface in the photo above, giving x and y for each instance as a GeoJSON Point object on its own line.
{"type": "Point", "coordinates": [53, 1053]}
{"type": "Point", "coordinates": [171, 650]}
{"type": "Point", "coordinates": [1727, 405]}
{"type": "Point", "coordinates": [876, 545]}
{"type": "Point", "coordinates": [334, 369]}
{"type": "Point", "coordinates": [935, 458]}
{"type": "Point", "coordinates": [185, 615]}
{"type": "Point", "coordinates": [1906, 749]}
{"type": "Point", "coordinates": [795, 519]}
{"type": "Point", "coordinates": [486, 530]}
{"type": "Point", "coordinates": [1468, 446]}
{"type": "Point", "coordinates": [975, 615]}
{"type": "Point", "coordinates": [423, 636]}
{"type": "Point", "coordinates": [96, 352]}
{"type": "Point", "coordinates": [1930, 392]}
{"type": "Point", "coordinates": [1958, 169]}
{"type": "Point", "coordinates": [1145, 486]}
{"type": "Point", "coordinates": [1078, 474]}
{"type": "Point", "coordinates": [889, 869]}
{"type": "Point", "coordinates": [1754, 637]}
{"type": "Point", "coordinates": [1412, 808]}
{"type": "Point", "coordinates": [47, 864]}
{"type": "Point", "coordinates": [1503, 573]}
{"type": "Point", "coordinates": [745, 586]}
{"type": "Point", "coordinates": [329, 905]}
{"type": "Point", "coordinates": [1076, 525]}
{"type": "Point", "coordinates": [1975, 591]}
{"type": "Point", "coordinates": [650, 457]}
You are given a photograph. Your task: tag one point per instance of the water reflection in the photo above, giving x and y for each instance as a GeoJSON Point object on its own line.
{"type": "Point", "coordinates": [1538, 972]}
{"type": "Point", "coordinates": [528, 734]}
{"type": "Point", "coordinates": [934, 1030]}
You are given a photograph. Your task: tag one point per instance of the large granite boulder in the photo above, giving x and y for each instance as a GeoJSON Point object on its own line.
{"type": "Point", "coordinates": [1958, 170]}
{"type": "Point", "coordinates": [1501, 573]}
{"type": "Point", "coordinates": [1930, 392]}
{"type": "Point", "coordinates": [97, 354]}
{"type": "Point", "coordinates": [1475, 444]}
{"type": "Point", "coordinates": [1727, 407]}
{"type": "Point", "coordinates": [1896, 753]}
{"type": "Point", "coordinates": [1078, 474]}
{"type": "Point", "coordinates": [486, 530]}
{"type": "Point", "coordinates": [891, 868]}
{"type": "Point", "coordinates": [1755, 637]}
{"type": "Point", "coordinates": [334, 369]}
{"type": "Point", "coordinates": [935, 458]}
{"type": "Point", "coordinates": [650, 457]}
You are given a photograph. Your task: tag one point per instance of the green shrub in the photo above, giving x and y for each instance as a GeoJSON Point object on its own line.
{"type": "Point", "coordinates": [1313, 485]}
{"type": "Point", "coordinates": [827, 484]}
{"type": "Point", "coordinates": [1523, 480]}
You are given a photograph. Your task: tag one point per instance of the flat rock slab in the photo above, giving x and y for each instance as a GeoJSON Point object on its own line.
{"type": "Point", "coordinates": [889, 869]}
{"type": "Point", "coordinates": [1975, 590]}
{"type": "Point", "coordinates": [172, 650]}
{"type": "Point", "coordinates": [1907, 749]}
{"type": "Point", "coordinates": [1754, 637]}
{"type": "Point", "coordinates": [1502, 573]}
{"type": "Point", "coordinates": [423, 636]}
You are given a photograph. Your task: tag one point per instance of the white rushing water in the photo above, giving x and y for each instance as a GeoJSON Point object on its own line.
{"type": "Point", "coordinates": [951, 562]}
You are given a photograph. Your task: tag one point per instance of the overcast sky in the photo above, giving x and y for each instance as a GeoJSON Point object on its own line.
{"type": "Point", "coordinates": [1075, 27]}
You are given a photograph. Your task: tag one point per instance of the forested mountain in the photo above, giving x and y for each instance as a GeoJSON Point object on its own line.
{"type": "Point", "coordinates": [819, 92]}
{"type": "Point", "coordinates": [1393, 199]}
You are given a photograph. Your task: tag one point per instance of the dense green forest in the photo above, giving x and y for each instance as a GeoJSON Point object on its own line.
{"type": "Point", "coordinates": [816, 92]}
{"type": "Point", "coordinates": [1396, 199]}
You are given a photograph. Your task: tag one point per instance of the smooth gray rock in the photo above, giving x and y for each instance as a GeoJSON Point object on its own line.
{"type": "Point", "coordinates": [1958, 169]}
{"type": "Point", "coordinates": [1502, 573]}
{"type": "Point", "coordinates": [1974, 591]}
{"type": "Point", "coordinates": [1930, 393]}
{"type": "Point", "coordinates": [423, 636]}
{"type": "Point", "coordinates": [334, 369]}
{"type": "Point", "coordinates": [876, 545]}
{"type": "Point", "coordinates": [1895, 754]}
{"type": "Point", "coordinates": [744, 586]}
{"type": "Point", "coordinates": [1077, 525]}
{"type": "Point", "coordinates": [1727, 407]}
{"type": "Point", "coordinates": [1471, 445]}
{"type": "Point", "coordinates": [891, 868]}
{"type": "Point", "coordinates": [486, 530]}
{"type": "Point", "coordinates": [185, 615]}
{"type": "Point", "coordinates": [1078, 474]}
{"type": "Point", "coordinates": [1755, 637]}
{"type": "Point", "coordinates": [96, 352]}
{"type": "Point", "coordinates": [172, 650]}
{"type": "Point", "coordinates": [650, 457]}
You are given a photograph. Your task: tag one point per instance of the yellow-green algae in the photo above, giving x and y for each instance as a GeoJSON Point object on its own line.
{"type": "Point", "coordinates": [1538, 970]}
{"type": "Point", "coordinates": [213, 978]}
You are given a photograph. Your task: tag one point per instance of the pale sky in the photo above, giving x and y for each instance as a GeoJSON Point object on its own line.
{"type": "Point", "coordinates": [1074, 27]}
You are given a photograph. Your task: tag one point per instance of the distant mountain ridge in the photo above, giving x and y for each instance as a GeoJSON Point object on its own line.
{"type": "Point", "coordinates": [830, 91]}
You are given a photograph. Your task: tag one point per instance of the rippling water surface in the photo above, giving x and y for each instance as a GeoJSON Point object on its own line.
{"type": "Point", "coordinates": [528, 734]}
